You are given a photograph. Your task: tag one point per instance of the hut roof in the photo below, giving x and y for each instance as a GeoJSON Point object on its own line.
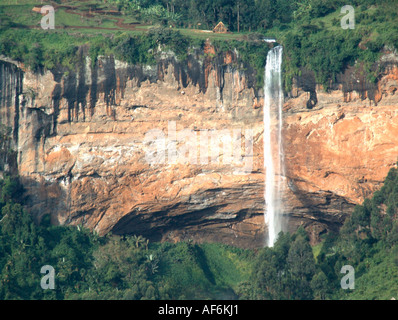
{"type": "Point", "coordinates": [220, 27]}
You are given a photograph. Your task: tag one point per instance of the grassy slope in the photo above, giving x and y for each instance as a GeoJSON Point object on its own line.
{"type": "Point", "coordinates": [380, 282]}
{"type": "Point", "coordinates": [18, 13]}
{"type": "Point", "coordinates": [203, 271]}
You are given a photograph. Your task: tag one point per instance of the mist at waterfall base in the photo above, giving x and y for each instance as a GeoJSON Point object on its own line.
{"type": "Point", "coordinates": [273, 151]}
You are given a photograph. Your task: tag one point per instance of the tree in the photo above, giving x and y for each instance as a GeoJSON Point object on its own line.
{"type": "Point", "coordinates": [24, 253]}
{"type": "Point", "coordinates": [302, 268]}
{"type": "Point", "coordinates": [18, 225]}
{"type": "Point", "coordinates": [10, 189]}
{"type": "Point", "coordinates": [34, 57]}
{"type": "Point", "coordinates": [121, 264]}
{"type": "Point", "coordinates": [266, 276]}
{"type": "Point", "coordinates": [320, 286]}
{"type": "Point", "coordinates": [271, 276]}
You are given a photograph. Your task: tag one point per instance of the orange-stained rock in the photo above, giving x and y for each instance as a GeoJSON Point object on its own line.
{"type": "Point", "coordinates": [83, 155]}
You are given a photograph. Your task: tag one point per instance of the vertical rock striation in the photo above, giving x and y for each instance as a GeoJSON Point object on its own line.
{"type": "Point", "coordinates": [81, 147]}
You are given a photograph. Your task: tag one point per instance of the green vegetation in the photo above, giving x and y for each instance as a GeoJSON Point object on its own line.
{"type": "Point", "coordinates": [309, 30]}
{"type": "Point", "coordinates": [57, 50]}
{"type": "Point", "coordinates": [112, 267]}
{"type": "Point", "coordinates": [91, 267]}
{"type": "Point", "coordinates": [318, 42]}
{"type": "Point", "coordinates": [368, 241]}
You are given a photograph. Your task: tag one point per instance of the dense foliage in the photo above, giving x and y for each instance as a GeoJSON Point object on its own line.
{"type": "Point", "coordinates": [310, 31]}
{"type": "Point", "coordinates": [91, 267]}
{"type": "Point", "coordinates": [51, 51]}
{"type": "Point", "coordinates": [368, 241]}
{"type": "Point", "coordinates": [238, 15]}
{"type": "Point", "coordinates": [55, 52]}
{"type": "Point", "coordinates": [317, 42]}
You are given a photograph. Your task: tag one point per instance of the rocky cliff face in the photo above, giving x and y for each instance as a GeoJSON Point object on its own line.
{"type": "Point", "coordinates": [175, 151]}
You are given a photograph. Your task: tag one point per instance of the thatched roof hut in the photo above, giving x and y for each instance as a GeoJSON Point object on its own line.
{"type": "Point", "coordinates": [220, 28]}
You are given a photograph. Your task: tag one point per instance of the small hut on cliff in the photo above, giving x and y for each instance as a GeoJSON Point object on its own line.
{"type": "Point", "coordinates": [220, 28]}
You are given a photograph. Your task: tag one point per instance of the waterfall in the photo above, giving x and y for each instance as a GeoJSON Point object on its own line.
{"type": "Point", "coordinates": [273, 152]}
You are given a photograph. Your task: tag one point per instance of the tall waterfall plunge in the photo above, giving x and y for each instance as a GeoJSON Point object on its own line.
{"type": "Point", "coordinates": [273, 152]}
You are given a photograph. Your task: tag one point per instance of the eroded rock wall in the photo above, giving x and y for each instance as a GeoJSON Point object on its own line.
{"type": "Point", "coordinates": [85, 158]}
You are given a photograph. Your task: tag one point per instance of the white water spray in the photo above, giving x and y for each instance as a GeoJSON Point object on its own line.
{"type": "Point", "coordinates": [273, 152]}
